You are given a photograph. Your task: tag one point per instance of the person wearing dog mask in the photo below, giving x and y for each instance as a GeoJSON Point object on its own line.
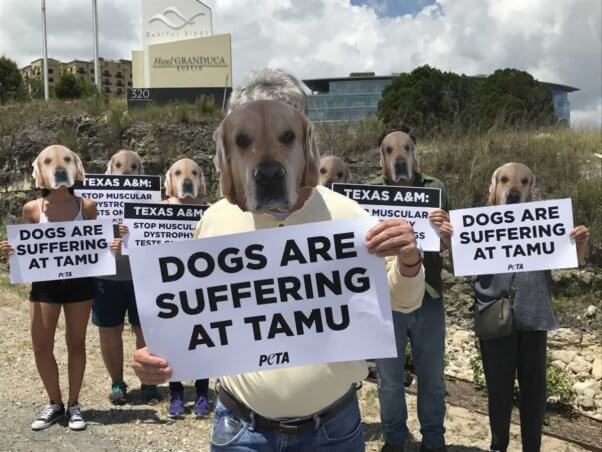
{"type": "Point", "coordinates": [276, 183]}
{"type": "Point", "coordinates": [522, 354]}
{"type": "Point", "coordinates": [114, 298]}
{"type": "Point", "coordinates": [185, 184]}
{"type": "Point", "coordinates": [55, 170]}
{"type": "Point", "coordinates": [424, 325]}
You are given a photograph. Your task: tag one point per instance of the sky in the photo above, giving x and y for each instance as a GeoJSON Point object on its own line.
{"type": "Point", "coordinates": [557, 41]}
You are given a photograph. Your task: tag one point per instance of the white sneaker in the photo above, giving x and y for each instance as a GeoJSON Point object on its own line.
{"type": "Point", "coordinates": [76, 421]}
{"type": "Point", "coordinates": [48, 416]}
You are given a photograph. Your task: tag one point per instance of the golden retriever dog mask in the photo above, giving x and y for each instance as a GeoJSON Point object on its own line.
{"type": "Point", "coordinates": [398, 157]}
{"type": "Point", "coordinates": [185, 179]}
{"type": "Point", "coordinates": [333, 170]}
{"type": "Point", "coordinates": [57, 166]}
{"type": "Point", "coordinates": [125, 162]}
{"type": "Point", "coordinates": [510, 184]}
{"type": "Point", "coordinates": [266, 153]}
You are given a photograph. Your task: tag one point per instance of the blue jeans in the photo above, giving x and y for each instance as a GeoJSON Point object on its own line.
{"type": "Point", "coordinates": [343, 433]}
{"type": "Point", "coordinates": [425, 328]}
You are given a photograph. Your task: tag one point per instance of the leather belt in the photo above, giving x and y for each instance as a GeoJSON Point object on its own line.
{"type": "Point", "coordinates": [292, 427]}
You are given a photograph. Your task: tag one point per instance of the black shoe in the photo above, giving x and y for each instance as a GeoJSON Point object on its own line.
{"type": "Point", "coordinates": [423, 448]}
{"type": "Point", "coordinates": [391, 448]}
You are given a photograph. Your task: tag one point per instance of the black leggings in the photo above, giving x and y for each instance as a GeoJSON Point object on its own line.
{"type": "Point", "coordinates": [523, 353]}
{"type": "Point", "coordinates": [201, 386]}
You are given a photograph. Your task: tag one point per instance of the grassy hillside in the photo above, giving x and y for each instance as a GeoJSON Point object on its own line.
{"type": "Point", "coordinates": [567, 163]}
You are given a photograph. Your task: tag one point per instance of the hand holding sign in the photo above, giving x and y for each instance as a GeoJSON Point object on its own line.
{"type": "Point", "coordinates": [581, 237]}
{"type": "Point", "coordinates": [395, 238]}
{"type": "Point", "coordinates": [151, 370]}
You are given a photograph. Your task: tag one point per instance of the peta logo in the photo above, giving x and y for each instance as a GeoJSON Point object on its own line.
{"type": "Point", "coordinates": [273, 358]}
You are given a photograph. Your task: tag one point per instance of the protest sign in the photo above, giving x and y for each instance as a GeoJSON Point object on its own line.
{"type": "Point", "coordinates": [263, 300]}
{"type": "Point", "coordinates": [152, 224]}
{"type": "Point", "coordinates": [513, 238]}
{"type": "Point", "coordinates": [61, 250]}
{"type": "Point", "coordinates": [413, 204]}
{"type": "Point", "coordinates": [111, 191]}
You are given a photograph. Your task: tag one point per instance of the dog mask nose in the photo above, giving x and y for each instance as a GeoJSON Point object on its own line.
{"type": "Point", "coordinates": [513, 197]}
{"type": "Point", "coordinates": [187, 185]}
{"type": "Point", "coordinates": [60, 174]}
{"type": "Point", "coordinates": [401, 167]}
{"type": "Point", "coordinates": [268, 173]}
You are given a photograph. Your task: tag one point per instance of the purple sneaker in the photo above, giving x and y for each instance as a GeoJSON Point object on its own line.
{"type": "Point", "coordinates": [176, 406]}
{"type": "Point", "coordinates": [201, 406]}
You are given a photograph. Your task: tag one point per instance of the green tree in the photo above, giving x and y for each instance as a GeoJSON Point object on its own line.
{"type": "Point", "coordinates": [35, 87]}
{"type": "Point", "coordinates": [425, 100]}
{"type": "Point", "coordinates": [11, 81]}
{"type": "Point", "coordinates": [71, 86]}
{"type": "Point", "coordinates": [513, 98]}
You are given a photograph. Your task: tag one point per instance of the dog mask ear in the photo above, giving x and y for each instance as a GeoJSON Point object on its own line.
{"type": "Point", "coordinates": [222, 165]}
{"type": "Point", "coordinates": [492, 198]}
{"type": "Point", "coordinates": [109, 167]}
{"type": "Point", "coordinates": [80, 172]}
{"type": "Point", "coordinates": [311, 174]}
{"type": "Point", "coordinates": [202, 187]}
{"type": "Point", "coordinates": [169, 191]}
{"type": "Point", "coordinates": [37, 175]}
{"type": "Point", "coordinates": [532, 188]}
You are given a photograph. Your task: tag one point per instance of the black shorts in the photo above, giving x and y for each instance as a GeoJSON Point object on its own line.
{"type": "Point", "coordinates": [62, 291]}
{"type": "Point", "coordinates": [112, 300]}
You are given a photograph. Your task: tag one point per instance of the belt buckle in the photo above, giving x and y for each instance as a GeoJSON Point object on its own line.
{"type": "Point", "coordinates": [288, 429]}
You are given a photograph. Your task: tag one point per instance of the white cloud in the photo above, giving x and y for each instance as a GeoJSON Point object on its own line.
{"type": "Point", "coordinates": [318, 38]}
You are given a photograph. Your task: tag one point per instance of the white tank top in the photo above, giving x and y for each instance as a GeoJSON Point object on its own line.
{"type": "Point", "coordinates": [78, 216]}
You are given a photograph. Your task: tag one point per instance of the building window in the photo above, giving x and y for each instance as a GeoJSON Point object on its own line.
{"type": "Point", "coordinates": [130, 84]}
{"type": "Point", "coordinates": [50, 70]}
{"type": "Point", "coordinates": [106, 73]}
{"type": "Point", "coordinates": [106, 81]}
{"type": "Point", "coordinates": [50, 80]}
{"type": "Point", "coordinates": [81, 70]}
{"type": "Point", "coordinates": [118, 75]}
{"type": "Point", "coordinates": [92, 79]}
{"type": "Point", "coordinates": [119, 83]}
{"type": "Point", "coordinates": [119, 91]}
{"type": "Point", "coordinates": [107, 89]}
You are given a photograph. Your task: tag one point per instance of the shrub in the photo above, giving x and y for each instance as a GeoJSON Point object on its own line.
{"type": "Point", "coordinates": [71, 86]}
{"type": "Point", "coordinates": [558, 386]}
{"type": "Point", "coordinates": [11, 81]}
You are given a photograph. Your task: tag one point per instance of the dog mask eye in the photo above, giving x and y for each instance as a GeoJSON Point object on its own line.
{"type": "Point", "coordinates": [504, 179]}
{"type": "Point", "coordinates": [118, 165]}
{"type": "Point", "coordinates": [339, 175]}
{"type": "Point", "coordinates": [67, 159]}
{"type": "Point", "coordinates": [525, 181]}
{"type": "Point", "coordinates": [389, 149]}
{"type": "Point", "coordinates": [195, 173]}
{"type": "Point", "coordinates": [407, 147]}
{"type": "Point", "coordinates": [287, 137]}
{"type": "Point", "coordinates": [322, 170]}
{"type": "Point", "coordinates": [47, 161]}
{"type": "Point", "coordinates": [134, 166]}
{"type": "Point", "coordinates": [178, 172]}
{"type": "Point", "coordinates": [243, 141]}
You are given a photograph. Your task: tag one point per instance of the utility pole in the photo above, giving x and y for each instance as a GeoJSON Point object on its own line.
{"type": "Point", "coordinates": [45, 48]}
{"type": "Point", "coordinates": [95, 20]}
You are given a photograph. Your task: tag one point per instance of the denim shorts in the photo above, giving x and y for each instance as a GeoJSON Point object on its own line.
{"type": "Point", "coordinates": [112, 299]}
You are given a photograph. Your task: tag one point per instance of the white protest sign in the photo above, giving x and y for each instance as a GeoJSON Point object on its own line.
{"type": "Point", "coordinates": [513, 238]}
{"type": "Point", "coordinates": [152, 224]}
{"type": "Point", "coordinates": [263, 300]}
{"type": "Point", "coordinates": [111, 191]}
{"type": "Point", "coordinates": [61, 250]}
{"type": "Point", "coordinates": [413, 204]}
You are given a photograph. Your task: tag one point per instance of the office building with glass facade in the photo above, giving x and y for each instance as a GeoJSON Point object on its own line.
{"type": "Point", "coordinates": [356, 97]}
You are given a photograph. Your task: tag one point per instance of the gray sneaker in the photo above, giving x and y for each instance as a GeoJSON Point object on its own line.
{"type": "Point", "coordinates": [76, 420]}
{"type": "Point", "coordinates": [48, 416]}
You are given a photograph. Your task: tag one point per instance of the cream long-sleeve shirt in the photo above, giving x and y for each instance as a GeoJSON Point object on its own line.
{"type": "Point", "coordinates": [304, 390]}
